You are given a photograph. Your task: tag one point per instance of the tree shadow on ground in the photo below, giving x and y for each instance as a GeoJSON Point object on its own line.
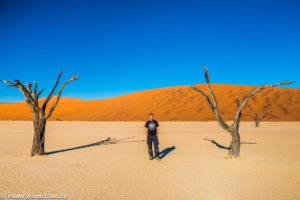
{"type": "Point", "coordinates": [102, 142]}
{"type": "Point", "coordinates": [166, 151]}
{"type": "Point", "coordinates": [223, 147]}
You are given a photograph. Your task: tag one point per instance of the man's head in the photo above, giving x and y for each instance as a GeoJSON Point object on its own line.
{"type": "Point", "coordinates": [150, 116]}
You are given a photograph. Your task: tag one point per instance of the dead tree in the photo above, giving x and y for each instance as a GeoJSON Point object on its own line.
{"type": "Point", "coordinates": [233, 129]}
{"type": "Point", "coordinates": [38, 112]}
{"type": "Point", "coordinates": [257, 119]}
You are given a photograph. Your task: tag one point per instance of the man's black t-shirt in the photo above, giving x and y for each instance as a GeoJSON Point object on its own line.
{"type": "Point", "coordinates": [151, 125]}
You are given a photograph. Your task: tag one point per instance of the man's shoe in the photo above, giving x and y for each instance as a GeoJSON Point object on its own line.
{"type": "Point", "coordinates": [151, 158]}
{"type": "Point", "coordinates": [157, 158]}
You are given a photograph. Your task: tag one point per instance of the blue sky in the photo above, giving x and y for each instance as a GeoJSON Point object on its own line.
{"type": "Point", "coordinates": [117, 47]}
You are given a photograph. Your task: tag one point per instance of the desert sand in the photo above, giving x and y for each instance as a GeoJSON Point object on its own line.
{"type": "Point", "coordinates": [170, 103]}
{"type": "Point", "coordinates": [109, 160]}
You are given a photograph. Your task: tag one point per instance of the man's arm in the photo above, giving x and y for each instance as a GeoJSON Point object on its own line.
{"type": "Point", "coordinates": [146, 130]}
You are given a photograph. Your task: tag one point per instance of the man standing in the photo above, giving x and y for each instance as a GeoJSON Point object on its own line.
{"type": "Point", "coordinates": [151, 129]}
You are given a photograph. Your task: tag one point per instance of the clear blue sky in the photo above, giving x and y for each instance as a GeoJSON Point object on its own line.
{"type": "Point", "coordinates": [117, 47]}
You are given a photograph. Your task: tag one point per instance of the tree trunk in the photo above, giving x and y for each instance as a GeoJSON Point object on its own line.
{"type": "Point", "coordinates": [257, 123]}
{"type": "Point", "coordinates": [39, 124]}
{"type": "Point", "coordinates": [235, 146]}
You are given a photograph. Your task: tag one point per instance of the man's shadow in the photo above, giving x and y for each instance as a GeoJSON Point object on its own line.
{"type": "Point", "coordinates": [102, 142]}
{"type": "Point", "coordinates": [166, 151]}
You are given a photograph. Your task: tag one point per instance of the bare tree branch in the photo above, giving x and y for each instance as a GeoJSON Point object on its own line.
{"type": "Point", "coordinates": [28, 98]}
{"type": "Point", "coordinates": [28, 86]}
{"type": "Point", "coordinates": [210, 90]}
{"type": "Point", "coordinates": [213, 106]}
{"type": "Point", "coordinates": [205, 96]}
{"type": "Point", "coordinates": [53, 89]}
{"type": "Point", "coordinates": [35, 96]}
{"type": "Point", "coordinates": [58, 95]}
{"type": "Point", "coordinates": [10, 83]}
{"type": "Point", "coordinates": [35, 86]}
{"type": "Point", "coordinates": [264, 116]}
{"type": "Point", "coordinates": [38, 94]}
{"type": "Point", "coordinates": [252, 92]}
{"type": "Point", "coordinates": [237, 123]}
{"type": "Point", "coordinates": [251, 116]}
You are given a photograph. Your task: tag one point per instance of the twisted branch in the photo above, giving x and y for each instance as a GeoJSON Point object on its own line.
{"type": "Point", "coordinates": [252, 92]}
{"type": "Point", "coordinates": [59, 93]}
{"type": "Point", "coordinates": [53, 89]}
{"type": "Point", "coordinates": [28, 98]}
{"type": "Point", "coordinates": [213, 106]}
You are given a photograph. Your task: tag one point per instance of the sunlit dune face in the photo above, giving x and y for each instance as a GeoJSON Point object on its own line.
{"type": "Point", "coordinates": [180, 103]}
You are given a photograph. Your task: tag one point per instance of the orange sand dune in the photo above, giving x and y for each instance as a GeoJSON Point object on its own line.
{"type": "Point", "coordinates": [171, 103]}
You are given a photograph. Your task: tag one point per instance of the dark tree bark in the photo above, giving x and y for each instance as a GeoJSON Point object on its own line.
{"type": "Point", "coordinates": [38, 113]}
{"type": "Point", "coordinates": [257, 119]}
{"type": "Point", "coordinates": [233, 129]}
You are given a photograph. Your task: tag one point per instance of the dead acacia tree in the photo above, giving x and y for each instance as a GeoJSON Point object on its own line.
{"type": "Point", "coordinates": [233, 129]}
{"type": "Point", "coordinates": [38, 112]}
{"type": "Point", "coordinates": [257, 119]}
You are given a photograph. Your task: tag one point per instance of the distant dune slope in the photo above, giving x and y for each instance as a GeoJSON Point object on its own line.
{"type": "Point", "coordinates": [171, 103]}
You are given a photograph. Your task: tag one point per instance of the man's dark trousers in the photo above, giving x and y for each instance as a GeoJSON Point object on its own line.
{"type": "Point", "coordinates": [154, 139]}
